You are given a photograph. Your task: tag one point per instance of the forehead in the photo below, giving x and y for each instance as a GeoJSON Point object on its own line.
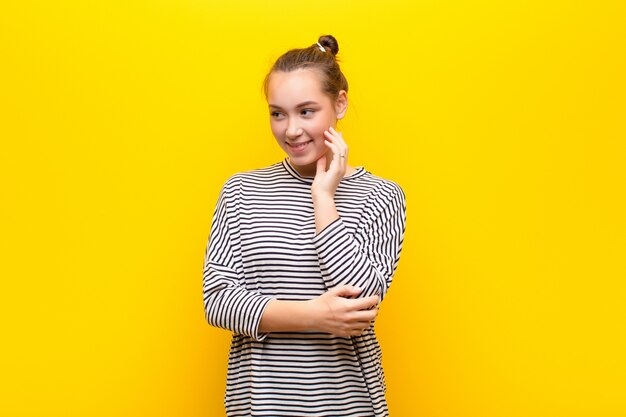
{"type": "Point", "coordinates": [286, 88]}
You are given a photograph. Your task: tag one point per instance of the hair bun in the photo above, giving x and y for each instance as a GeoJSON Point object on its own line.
{"type": "Point", "coordinates": [329, 42]}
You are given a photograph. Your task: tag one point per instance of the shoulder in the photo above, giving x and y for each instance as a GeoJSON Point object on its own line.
{"type": "Point", "coordinates": [379, 188]}
{"type": "Point", "coordinates": [259, 175]}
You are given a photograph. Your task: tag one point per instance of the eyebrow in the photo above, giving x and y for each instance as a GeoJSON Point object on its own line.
{"type": "Point", "coordinates": [304, 103]}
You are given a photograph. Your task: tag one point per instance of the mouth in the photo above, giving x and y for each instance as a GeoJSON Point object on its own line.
{"type": "Point", "coordinates": [298, 147]}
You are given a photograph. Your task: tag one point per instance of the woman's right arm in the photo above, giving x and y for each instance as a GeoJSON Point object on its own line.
{"type": "Point", "coordinates": [227, 303]}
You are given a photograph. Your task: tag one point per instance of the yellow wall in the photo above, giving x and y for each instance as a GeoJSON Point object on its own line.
{"type": "Point", "coordinates": [503, 121]}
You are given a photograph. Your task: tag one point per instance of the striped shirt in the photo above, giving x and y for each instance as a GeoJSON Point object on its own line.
{"type": "Point", "coordinates": [263, 245]}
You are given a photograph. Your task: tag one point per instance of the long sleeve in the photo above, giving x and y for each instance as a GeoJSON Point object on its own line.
{"type": "Point", "coordinates": [227, 303]}
{"type": "Point", "coordinates": [368, 257]}
{"type": "Point", "coordinates": [260, 246]}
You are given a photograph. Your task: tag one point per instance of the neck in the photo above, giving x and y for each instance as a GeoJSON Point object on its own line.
{"type": "Point", "coordinates": [311, 169]}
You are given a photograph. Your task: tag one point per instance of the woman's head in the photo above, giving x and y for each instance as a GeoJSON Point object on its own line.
{"type": "Point", "coordinates": [319, 57]}
{"type": "Point", "coordinates": [306, 94]}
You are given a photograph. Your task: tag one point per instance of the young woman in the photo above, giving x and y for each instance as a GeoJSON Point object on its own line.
{"type": "Point", "coordinates": [300, 255]}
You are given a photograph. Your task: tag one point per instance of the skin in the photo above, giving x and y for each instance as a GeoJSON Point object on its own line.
{"type": "Point", "coordinates": [300, 112]}
{"type": "Point", "coordinates": [303, 120]}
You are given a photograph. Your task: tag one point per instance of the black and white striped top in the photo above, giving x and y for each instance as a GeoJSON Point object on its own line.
{"type": "Point", "coordinates": [263, 245]}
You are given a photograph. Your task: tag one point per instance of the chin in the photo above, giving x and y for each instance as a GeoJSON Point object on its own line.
{"type": "Point", "coordinates": [302, 160]}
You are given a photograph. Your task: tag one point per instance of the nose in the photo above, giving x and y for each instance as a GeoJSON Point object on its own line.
{"type": "Point", "coordinates": [293, 130]}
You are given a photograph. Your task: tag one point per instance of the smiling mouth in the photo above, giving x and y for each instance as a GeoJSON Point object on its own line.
{"type": "Point", "coordinates": [298, 146]}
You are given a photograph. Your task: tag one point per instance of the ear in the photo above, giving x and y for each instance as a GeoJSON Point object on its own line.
{"type": "Point", "coordinates": [341, 104]}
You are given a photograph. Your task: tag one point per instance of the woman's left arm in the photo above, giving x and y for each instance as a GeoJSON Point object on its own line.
{"type": "Point", "coordinates": [366, 258]}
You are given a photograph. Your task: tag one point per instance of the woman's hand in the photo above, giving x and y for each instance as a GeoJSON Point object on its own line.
{"type": "Point", "coordinates": [326, 180]}
{"type": "Point", "coordinates": [335, 314]}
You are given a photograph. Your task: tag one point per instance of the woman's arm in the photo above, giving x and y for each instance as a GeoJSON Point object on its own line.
{"type": "Point", "coordinates": [369, 257]}
{"type": "Point", "coordinates": [366, 258]}
{"type": "Point", "coordinates": [326, 180]}
{"type": "Point", "coordinates": [227, 303]}
{"type": "Point", "coordinates": [331, 313]}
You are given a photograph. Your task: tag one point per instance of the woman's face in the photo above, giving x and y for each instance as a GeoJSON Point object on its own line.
{"type": "Point", "coordinates": [299, 113]}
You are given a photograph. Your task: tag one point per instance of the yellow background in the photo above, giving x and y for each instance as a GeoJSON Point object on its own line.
{"type": "Point", "coordinates": [504, 122]}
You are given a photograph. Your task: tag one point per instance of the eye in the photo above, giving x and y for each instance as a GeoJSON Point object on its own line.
{"type": "Point", "coordinates": [276, 115]}
{"type": "Point", "coordinates": [307, 112]}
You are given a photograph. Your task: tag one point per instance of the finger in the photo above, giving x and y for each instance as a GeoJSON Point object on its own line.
{"type": "Point", "coordinates": [334, 131]}
{"type": "Point", "coordinates": [335, 137]}
{"type": "Point", "coordinates": [335, 150]}
{"type": "Point", "coordinates": [340, 153]}
{"type": "Point", "coordinates": [365, 303]}
{"type": "Point", "coordinates": [346, 291]}
{"type": "Point", "coordinates": [332, 134]}
{"type": "Point", "coordinates": [321, 164]}
{"type": "Point", "coordinates": [364, 316]}
{"type": "Point", "coordinates": [357, 332]}
{"type": "Point", "coordinates": [338, 138]}
{"type": "Point", "coordinates": [362, 325]}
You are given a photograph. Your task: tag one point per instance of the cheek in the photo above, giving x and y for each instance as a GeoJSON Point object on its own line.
{"type": "Point", "coordinates": [316, 130]}
{"type": "Point", "coordinates": [276, 130]}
